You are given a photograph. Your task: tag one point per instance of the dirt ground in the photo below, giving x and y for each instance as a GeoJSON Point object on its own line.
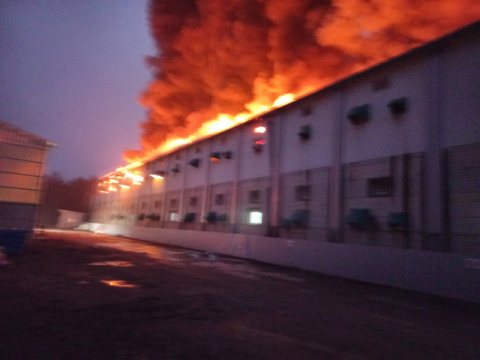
{"type": "Point", "coordinates": [77, 295]}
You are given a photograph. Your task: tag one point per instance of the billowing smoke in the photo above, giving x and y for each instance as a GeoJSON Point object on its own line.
{"type": "Point", "coordinates": [227, 57]}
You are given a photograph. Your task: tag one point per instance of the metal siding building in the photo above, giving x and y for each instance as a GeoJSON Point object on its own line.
{"type": "Point", "coordinates": [375, 178]}
{"type": "Point", "coordinates": [22, 161]}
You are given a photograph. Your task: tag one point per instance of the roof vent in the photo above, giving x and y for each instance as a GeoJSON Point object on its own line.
{"type": "Point", "coordinates": [215, 156]}
{"type": "Point", "coordinates": [398, 106]}
{"type": "Point", "coordinates": [305, 132]}
{"type": "Point", "coordinates": [194, 162]}
{"type": "Point", "coordinates": [359, 114]}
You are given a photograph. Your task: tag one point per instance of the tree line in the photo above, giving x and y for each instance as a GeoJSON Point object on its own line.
{"type": "Point", "coordinates": [61, 194]}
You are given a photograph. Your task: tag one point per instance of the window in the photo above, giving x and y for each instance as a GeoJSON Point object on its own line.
{"type": "Point", "coordinates": [380, 83]}
{"type": "Point", "coordinates": [255, 217]}
{"type": "Point", "coordinates": [306, 110]}
{"type": "Point", "coordinates": [144, 205]}
{"type": "Point", "coordinates": [173, 203]}
{"type": "Point", "coordinates": [260, 129]}
{"type": "Point", "coordinates": [219, 199]}
{"type": "Point", "coordinates": [380, 187]}
{"type": "Point", "coordinates": [302, 192]}
{"type": "Point", "coordinates": [157, 204]}
{"type": "Point", "coordinates": [174, 217]}
{"type": "Point", "coordinates": [193, 201]}
{"type": "Point", "coordinates": [254, 197]}
{"type": "Point", "coordinates": [198, 150]}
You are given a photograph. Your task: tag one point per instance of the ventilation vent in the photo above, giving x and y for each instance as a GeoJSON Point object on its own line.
{"type": "Point", "coordinates": [398, 106]}
{"type": "Point", "coordinates": [359, 114]}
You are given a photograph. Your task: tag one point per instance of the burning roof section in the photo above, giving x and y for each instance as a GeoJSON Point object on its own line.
{"type": "Point", "coordinates": [470, 30]}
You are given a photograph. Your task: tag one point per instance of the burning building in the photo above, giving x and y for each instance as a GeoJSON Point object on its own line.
{"type": "Point", "coordinates": [375, 177]}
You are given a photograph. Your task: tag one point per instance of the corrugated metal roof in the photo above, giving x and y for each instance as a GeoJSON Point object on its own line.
{"type": "Point", "coordinates": [13, 135]}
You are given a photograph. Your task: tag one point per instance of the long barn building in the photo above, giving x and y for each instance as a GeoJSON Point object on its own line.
{"type": "Point", "coordinates": [375, 178]}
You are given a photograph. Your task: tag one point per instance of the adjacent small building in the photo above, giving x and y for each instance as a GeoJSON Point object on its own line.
{"type": "Point", "coordinates": [375, 178]}
{"type": "Point", "coordinates": [22, 164]}
{"type": "Point", "coordinates": [68, 219]}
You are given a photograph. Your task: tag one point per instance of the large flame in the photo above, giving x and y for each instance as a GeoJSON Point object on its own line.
{"type": "Point", "coordinates": [221, 123]}
{"type": "Point", "coordinates": [221, 63]}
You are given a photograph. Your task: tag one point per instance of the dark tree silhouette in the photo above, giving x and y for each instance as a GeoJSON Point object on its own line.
{"type": "Point", "coordinates": [59, 194]}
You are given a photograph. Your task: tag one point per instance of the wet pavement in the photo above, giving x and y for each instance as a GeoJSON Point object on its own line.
{"type": "Point", "coordinates": [78, 295]}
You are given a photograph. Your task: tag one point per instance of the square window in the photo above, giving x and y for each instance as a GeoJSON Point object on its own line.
{"type": "Point", "coordinates": [302, 192]}
{"type": "Point", "coordinates": [380, 187]}
{"type": "Point", "coordinates": [193, 201]}
{"type": "Point", "coordinates": [255, 217]}
{"type": "Point", "coordinates": [144, 205]}
{"type": "Point", "coordinates": [157, 204]}
{"type": "Point", "coordinates": [219, 199]}
{"type": "Point", "coordinates": [173, 203]}
{"type": "Point", "coordinates": [254, 197]}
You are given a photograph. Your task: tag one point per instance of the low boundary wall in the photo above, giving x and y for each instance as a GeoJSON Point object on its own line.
{"type": "Point", "coordinates": [445, 274]}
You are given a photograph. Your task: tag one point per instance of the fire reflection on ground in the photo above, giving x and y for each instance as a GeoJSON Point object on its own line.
{"type": "Point", "coordinates": [177, 257]}
{"type": "Point", "coordinates": [118, 283]}
{"type": "Point", "coordinates": [112, 263]}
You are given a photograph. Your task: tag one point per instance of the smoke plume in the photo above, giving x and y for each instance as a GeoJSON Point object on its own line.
{"type": "Point", "coordinates": [238, 56]}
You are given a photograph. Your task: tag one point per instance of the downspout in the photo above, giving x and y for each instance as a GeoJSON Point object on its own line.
{"type": "Point", "coordinates": [235, 193]}
{"type": "Point", "coordinates": [164, 195]}
{"type": "Point", "coordinates": [274, 139]}
{"type": "Point", "coordinates": [182, 192]}
{"type": "Point", "coordinates": [206, 190]}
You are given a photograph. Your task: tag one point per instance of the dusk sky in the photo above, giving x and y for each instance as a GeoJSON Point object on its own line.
{"type": "Point", "coordinates": [71, 72]}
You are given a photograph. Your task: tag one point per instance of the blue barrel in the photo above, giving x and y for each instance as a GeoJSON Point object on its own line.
{"type": "Point", "coordinates": [13, 240]}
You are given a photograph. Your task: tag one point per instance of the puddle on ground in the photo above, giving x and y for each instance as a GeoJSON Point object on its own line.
{"type": "Point", "coordinates": [112, 263]}
{"type": "Point", "coordinates": [118, 283]}
{"type": "Point", "coordinates": [232, 266]}
{"type": "Point", "coordinates": [143, 249]}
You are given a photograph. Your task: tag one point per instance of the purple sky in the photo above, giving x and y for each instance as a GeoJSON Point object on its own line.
{"type": "Point", "coordinates": [71, 72]}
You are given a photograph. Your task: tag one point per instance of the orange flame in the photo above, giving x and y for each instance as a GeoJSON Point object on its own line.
{"type": "Point", "coordinates": [209, 70]}
{"type": "Point", "coordinates": [221, 123]}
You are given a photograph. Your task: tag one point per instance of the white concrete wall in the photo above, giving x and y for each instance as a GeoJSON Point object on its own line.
{"type": "Point", "coordinates": [252, 164]}
{"type": "Point", "coordinates": [197, 176]}
{"type": "Point", "coordinates": [224, 170]}
{"type": "Point", "coordinates": [385, 134]}
{"type": "Point", "coordinates": [460, 94]}
{"type": "Point", "coordinates": [316, 152]}
{"type": "Point", "coordinates": [444, 274]}
{"type": "Point", "coordinates": [175, 180]}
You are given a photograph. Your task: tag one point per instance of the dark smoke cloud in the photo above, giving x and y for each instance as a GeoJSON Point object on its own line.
{"type": "Point", "coordinates": [217, 56]}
